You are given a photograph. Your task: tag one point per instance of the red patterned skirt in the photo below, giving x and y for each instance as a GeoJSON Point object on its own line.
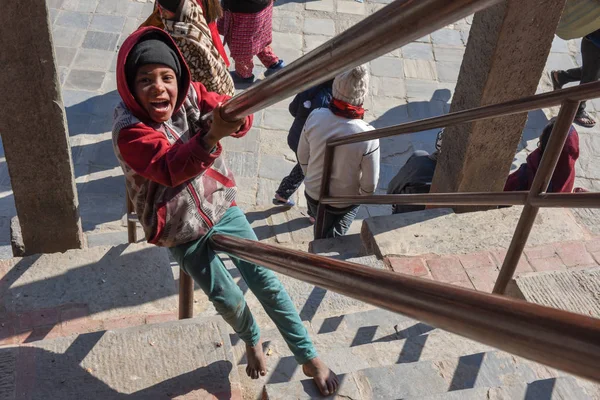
{"type": "Point", "coordinates": [247, 34]}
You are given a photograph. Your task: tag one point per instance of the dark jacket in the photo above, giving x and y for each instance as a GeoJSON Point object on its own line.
{"type": "Point", "coordinates": [316, 97]}
{"type": "Point", "coordinates": [245, 6]}
{"type": "Point", "coordinates": [414, 177]}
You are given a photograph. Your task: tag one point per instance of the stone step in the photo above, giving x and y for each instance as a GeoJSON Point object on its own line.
{"type": "Point", "coordinates": [424, 378]}
{"type": "Point", "coordinates": [342, 247]}
{"type": "Point", "coordinates": [189, 359]}
{"type": "Point", "coordinates": [574, 290]}
{"type": "Point", "coordinates": [440, 231]}
{"type": "Point", "coordinates": [561, 388]}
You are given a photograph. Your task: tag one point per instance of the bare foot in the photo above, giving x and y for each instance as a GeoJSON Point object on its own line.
{"type": "Point", "coordinates": [257, 365]}
{"type": "Point", "coordinates": [325, 379]}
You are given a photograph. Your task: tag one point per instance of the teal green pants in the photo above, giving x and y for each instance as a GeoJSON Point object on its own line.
{"type": "Point", "coordinates": [199, 260]}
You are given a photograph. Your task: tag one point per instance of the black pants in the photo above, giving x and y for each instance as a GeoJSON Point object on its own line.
{"type": "Point", "coordinates": [588, 72]}
{"type": "Point", "coordinates": [291, 183]}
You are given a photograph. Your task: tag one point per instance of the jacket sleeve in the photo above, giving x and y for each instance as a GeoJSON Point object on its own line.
{"type": "Point", "coordinates": [369, 167]}
{"type": "Point", "coordinates": [150, 154]}
{"type": "Point", "coordinates": [209, 100]}
{"type": "Point", "coordinates": [303, 153]}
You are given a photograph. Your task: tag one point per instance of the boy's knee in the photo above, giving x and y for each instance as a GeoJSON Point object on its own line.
{"type": "Point", "coordinates": [228, 302]}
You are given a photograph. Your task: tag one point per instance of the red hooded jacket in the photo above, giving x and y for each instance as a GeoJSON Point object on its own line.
{"type": "Point", "coordinates": [179, 190]}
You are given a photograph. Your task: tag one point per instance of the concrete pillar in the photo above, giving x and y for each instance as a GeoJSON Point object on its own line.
{"type": "Point", "coordinates": [34, 131]}
{"type": "Point", "coordinates": [505, 56]}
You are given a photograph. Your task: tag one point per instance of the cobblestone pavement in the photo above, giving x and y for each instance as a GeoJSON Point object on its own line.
{"type": "Point", "coordinates": [413, 82]}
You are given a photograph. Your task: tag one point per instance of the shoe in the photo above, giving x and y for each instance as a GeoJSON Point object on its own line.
{"type": "Point", "coordinates": [275, 67]}
{"type": "Point", "coordinates": [240, 80]}
{"type": "Point", "coordinates": [554, 78]}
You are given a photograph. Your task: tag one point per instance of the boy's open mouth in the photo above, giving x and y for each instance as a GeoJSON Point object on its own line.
{"type": "Point", "coordinates": [160, 106]}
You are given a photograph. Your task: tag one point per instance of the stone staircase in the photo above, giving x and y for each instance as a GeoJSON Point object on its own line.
{"type": "Point", "coordinates": [100, 323]}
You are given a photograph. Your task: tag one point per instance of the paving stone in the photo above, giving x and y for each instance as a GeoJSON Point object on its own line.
{"type": "Point", "coordinates": [387, 66]}
{"type": "Point", "coordinates": [446, 37]}
{"type": "Point", "coordinates": [559, 61]}
{"type": "Point", "coordinates": [248, 143]}
{"type": "Point", "coordinates": [322, 5]}
{"type": "Point", "coordinates": [72, 19]}
{"type": "Point", "coordinates": [114, 7]}
{"type": "Point", "coordinates": [420, 69]}
{"type": "Point", "coordinates": [64, 55]}
{"type": "Point", "coordinates": [266, 191]}
{"type": "Point", "coordinates": [574, 254]}
{"type": "Point", "coordinates": [426, 109]}
{"type": "Point", "coordinates": [91, 59]}
{"type": "Point", "coordinates": [311, 42]}
{"type": "Point", "coordinates": [522, 266]}
{"type": "Point", "coordinates": [278, 119]}
{"type": "Point", "coordinates": [62, 74]}
{"type": "Point", "coordinates": [483, 278]}
{"type": "Point", "coordinates": [286, 21]}
{"type": "Point", "coordinates": [107, 23]}
{"type": "Point", "coordinates": [477, 260]}
{"type": "Point", "coordinates": [86, 80]}
{"type": "Point", "coordinates": [448, 54]}
{"type": "Point", "coordinates": [100, 40]}
{"type": "Point", "coordinates": [110, 83]}
{"type": "Point", "coordinates": [351, 7]}
{"type": "Point", "coordinates": [559, 45]}
{"type": "Point", "coordinates": [67, 37]}
{"type": "Point", "coordinates": [131, 24]}
{"type": "Point", "coordinates": [424, 39]}
{"type": "Point", "coordinates": [318, 26]}
{"type": "Point", "coordinates": [274, 167]}
{"type": "Point", "coordinates": [86, 6]}
{"type": "Point", "coordinates": [385, 86]}
{"type": "Point", "coordinates": [447, 269]}
{"type": "Point", "coordinates": [418, 51]}
{"type": "Point", "coordinates": [553, 263]}
{"type": "Point", "coordinates": [242, 164]}
{"type": "Point", "coordinates": [54, 3]}
{"type": "Point", "coordinates": [448, 71]}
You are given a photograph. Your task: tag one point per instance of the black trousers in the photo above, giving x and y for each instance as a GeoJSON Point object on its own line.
{"type": "Point", "coordinates": [588, 72]}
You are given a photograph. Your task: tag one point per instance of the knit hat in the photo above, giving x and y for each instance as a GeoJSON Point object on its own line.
{"type": "Point", "coordinates": [151, 50]}
{"type": "Point", "coordinates": [352, 86]}
{"type": "Point", "coordinates": [170, 5]}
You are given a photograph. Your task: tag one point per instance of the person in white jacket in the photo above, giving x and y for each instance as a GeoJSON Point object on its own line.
{"type": "Point", "coordinates": [355, 169]}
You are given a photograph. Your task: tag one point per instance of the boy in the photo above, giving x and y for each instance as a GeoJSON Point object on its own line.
{"type": "Point", "coordinates": [183, 192]}
{"type": "Point", "coordinates": [355, 169]}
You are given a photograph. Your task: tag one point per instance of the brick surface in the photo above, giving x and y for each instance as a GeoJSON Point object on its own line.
{"type": "Point", "coordinates": [467, 284]}
{"type": "Point", "coordinates": [553, 263]}
{"type": "Point", "coordinates": [123, 322]}
{"type": "Point", "coordinates": [523, 265]}
{"type": "Point", "coordinates": [540, 252]}
{"type": "Point", "coordinates": [447, 269]}
{"type": "Point", "coordinates": [159, 318]}
{"type": "Point", "coordinates": [477, 260]}
{"type": "Point", "coordinates": [593, 245]}
{"type": "Point", "coordinates": [31, 319]}
{"type": "Point", "coordinates": [483, 278]}
{"type": "Point", "coordinates": [574, 254]}
{"type": "Point", "coordinates": [414, 266]}
{"type": "Point", "coordinates": [596, 256]}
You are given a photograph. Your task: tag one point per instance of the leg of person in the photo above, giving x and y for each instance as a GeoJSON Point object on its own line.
{"type": "Point", "coordinates": [313, 208]}
{"type": "Point", "coordinates": [268, 58]}
{"type": "Point", "coordinates": [278, 305]}
{"type": "Point", "coordinates": [342, 219]}
{"type": "Point", "coordinates": [243, 70]}
{"type": "Point", "coordinates": [208, 271]}
{"type": "Point", "coordinates": [590, 55]}
{"type": "Point", "coordinates": [561, 78]}
{"type": "Point", "coordinates": [288, 187]}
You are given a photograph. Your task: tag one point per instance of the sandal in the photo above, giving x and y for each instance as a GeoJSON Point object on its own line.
{"type": "Point", "coordinates": [554, 78]}
{"type": "Point", "coordinates": [584, 119]}
{"type": "Point", "coordinates": [280, 201]}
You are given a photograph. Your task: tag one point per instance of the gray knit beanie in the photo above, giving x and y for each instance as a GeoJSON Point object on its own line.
{"type": "Point", "coordinates": [352, 86]}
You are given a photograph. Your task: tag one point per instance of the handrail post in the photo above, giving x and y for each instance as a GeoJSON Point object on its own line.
{"type": "Point", "coordinates": [186, 295]}
{"type": "Point", "coordinates": [320, 217]}
{"type": "Point", "coordinates": [131, 225]}
{"type": "Point", "coordinates": [540, 184]}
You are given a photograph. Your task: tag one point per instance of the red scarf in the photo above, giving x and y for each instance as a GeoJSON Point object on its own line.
{"type": "Point", "coordinates": [346, 110]}
{"type": "Point", "coordinates": [215, 35]}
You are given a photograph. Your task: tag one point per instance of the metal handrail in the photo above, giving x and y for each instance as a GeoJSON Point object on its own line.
{"type": "Point", "coordinates": [395, 25]}
{"type": "Point", "coordinates": [553, 337]}
{"type": "Point", "coordinates": [532, 200]}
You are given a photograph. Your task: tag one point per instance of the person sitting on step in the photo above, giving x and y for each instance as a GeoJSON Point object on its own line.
{"type": "Point", "coordinates": [183, 192]}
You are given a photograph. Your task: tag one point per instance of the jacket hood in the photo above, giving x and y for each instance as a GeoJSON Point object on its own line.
{"type": "Point", "coordinates": [122, 86]}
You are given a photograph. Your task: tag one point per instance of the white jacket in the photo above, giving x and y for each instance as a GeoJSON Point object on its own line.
{"type": "Point", "coordinates": [355, 169]}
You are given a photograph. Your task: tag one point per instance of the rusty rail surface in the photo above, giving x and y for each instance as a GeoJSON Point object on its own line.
{"type": "Point", "coordinates": [532, 200]}
{"type": "Point", "coordinates": [560, 339]}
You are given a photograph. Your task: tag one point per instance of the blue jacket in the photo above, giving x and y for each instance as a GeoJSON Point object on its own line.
{"type": "Point", "coordinates": [316, 97]}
